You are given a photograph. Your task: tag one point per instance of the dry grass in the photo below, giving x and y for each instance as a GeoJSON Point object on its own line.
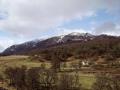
{"type": "Point", "coordinates": [17, 61]}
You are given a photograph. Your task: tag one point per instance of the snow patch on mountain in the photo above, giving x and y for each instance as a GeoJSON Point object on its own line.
{"type": "Point", "coordinates": [80, 34]}
{"type": "Point", "coordinates": [61, 38]}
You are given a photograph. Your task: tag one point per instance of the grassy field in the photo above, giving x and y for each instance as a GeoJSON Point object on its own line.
{"type": "Point", "coordinates": [17, 61]}
{"type": "Point", "coordinates": [87, 80]}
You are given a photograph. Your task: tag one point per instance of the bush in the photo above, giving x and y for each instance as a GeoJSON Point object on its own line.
{"type": "Point", "coordinates": [107, 82]}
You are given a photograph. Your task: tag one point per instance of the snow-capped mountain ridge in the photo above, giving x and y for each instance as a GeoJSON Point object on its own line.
{"type": "Point", "coordinates": [41, 44]}
{"type": "Point", "coordinates": [74, 36]}
{"type": "Point", "coordinates": [77, 34]}
{"type": "Point", "coordinates": [80, 34]}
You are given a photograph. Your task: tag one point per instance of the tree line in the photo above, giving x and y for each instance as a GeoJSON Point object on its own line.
{"type": "Point", "coordinates": [38, 78]}
{"type": "Point", "coordinates": [108, 48]}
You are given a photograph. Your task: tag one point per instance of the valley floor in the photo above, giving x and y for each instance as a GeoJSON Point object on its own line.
{"type": "Point", "coordinates": [87, 76]}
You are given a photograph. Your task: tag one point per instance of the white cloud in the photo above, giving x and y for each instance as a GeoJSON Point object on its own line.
{"type": "Point", "coordinates": [5, 42]}
{"type": "Point", "coordinates": [112, 5]}
{"type": "Point", "coordinates": [108, 28]}
{"type": "Point", "coordinates": [30, 17]}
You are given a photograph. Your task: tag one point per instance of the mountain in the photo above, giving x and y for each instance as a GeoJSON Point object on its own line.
{"type": "Point", "coordinates": [51, 42]}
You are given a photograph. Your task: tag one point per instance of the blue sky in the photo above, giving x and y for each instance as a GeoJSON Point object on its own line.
{"type": "Point", "coordinates": [24, 20]}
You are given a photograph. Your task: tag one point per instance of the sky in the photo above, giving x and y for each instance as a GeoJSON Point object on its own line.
{"type": "Point", "coordinates": [24, 20]}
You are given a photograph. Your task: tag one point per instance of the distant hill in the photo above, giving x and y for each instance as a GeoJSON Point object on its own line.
{"type": "Point", "coordinates": [73, 39]}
